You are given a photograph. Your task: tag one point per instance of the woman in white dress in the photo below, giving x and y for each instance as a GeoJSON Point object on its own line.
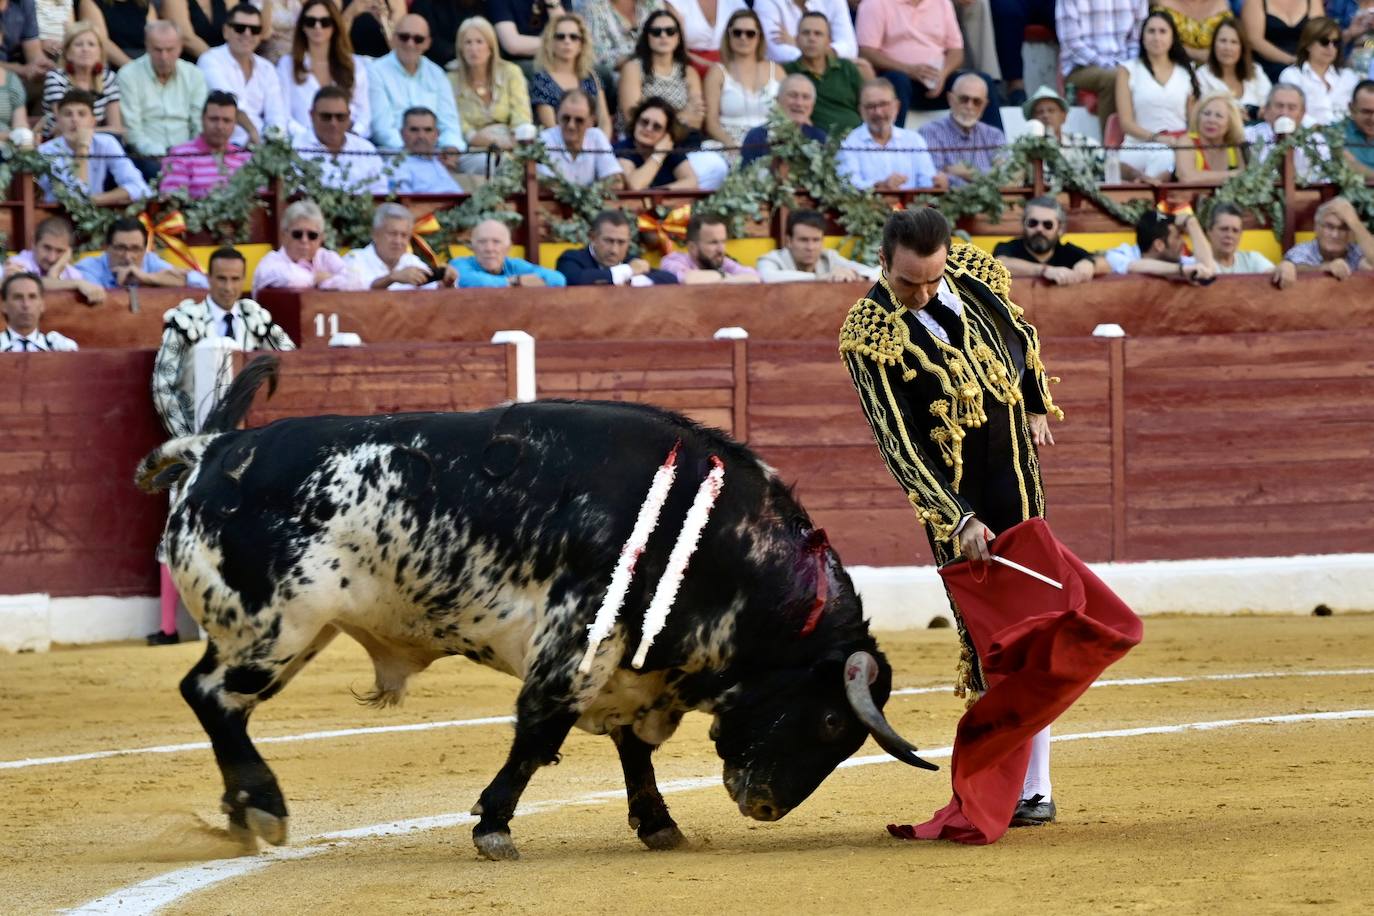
{"type": "Point", "coordinates": [703, 28]}
{"type": "Point", "coordinates": [1231, 68]}
{"type": "Point", "coordinates": [1321, 72]}
{"type": "Point", "coordinates": [741, 88]}
{"type": "Point", "coordinates": [322, 55]}
{"type": "Point", "coordinates": [1154, 95]}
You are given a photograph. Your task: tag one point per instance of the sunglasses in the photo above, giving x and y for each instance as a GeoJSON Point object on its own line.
{"type": "Point", "coordinates": [572, 119]}
{"type": "Point", "coordinates": [970, 100]}
{"type": "Point", "coordinates": [327, 116]}
{"type": "Point", "coordinates": [567, 36]}
{"type": "Point", "coordinates": [299, 234]}
{"type": "Point", "coordinates": [411, 38]}
{"type": "Point", "coordinates": [744, 33]}
{"type": "Point", "coordinates": [651, 124]}
{"type": "Point", "coordinates": [1037, 223]}
{"type": "Point", "coordinates": [662, 31]}
{"type": "Point", "coordinates": [242, 27]}
{"type": "Point", "coordinates": [317, 22]}
{"type": "Point", "coordinates": [1327, 42]}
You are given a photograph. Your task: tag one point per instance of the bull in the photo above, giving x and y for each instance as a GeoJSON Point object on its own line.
{"type": "Point", "coordinates": [493, 535]}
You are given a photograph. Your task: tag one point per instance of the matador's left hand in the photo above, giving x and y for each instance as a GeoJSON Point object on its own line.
{"type": "Point", "coordinates": [1040, 429]}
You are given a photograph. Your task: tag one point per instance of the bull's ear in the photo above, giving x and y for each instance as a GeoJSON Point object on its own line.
{"type": "Point", "coordinates": [165, 478]}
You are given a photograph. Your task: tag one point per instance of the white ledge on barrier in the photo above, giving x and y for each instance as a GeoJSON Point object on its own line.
{"type": "Point", "coordinates": [1109, 330]}
{"type": "Point", "coordinates": [730, 334]}
{"type": "Point", "coordinates": [524, 361]}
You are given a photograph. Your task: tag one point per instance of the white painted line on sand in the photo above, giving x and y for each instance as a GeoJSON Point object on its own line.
{"type": "Point", "coordinates": [172, 886]}
{"type": "Point", "coordinates": [508, 720]}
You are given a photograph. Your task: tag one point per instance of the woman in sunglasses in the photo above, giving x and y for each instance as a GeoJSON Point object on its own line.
{"type": "Point", "coordinates": [302, 261]}
{"type": "Point", "coordinates": [201, 22]}
{"type": "Point", "coordinates": [322, 55]}
{"type": "Point", "coordinates": [703, 27]}
{"type": "Point", "coordinates": [647, 156]}
{"type": "Point", "coordinates": [1321, 73]}
{"type": "Point", "coordinates": [660, 70]}
{"type": "Point", "coordinates": [564, 62]}
{"type": "Point", "coordinates": [741, 88]}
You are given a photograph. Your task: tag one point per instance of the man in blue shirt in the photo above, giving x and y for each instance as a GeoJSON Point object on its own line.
{"type": "Point", "coordinates": [128, 262]}
{"type": "Point", "coordinates": [1359, 129]}
{"type": "Point", "coordinates": [797, 99]}
{"type": "Point", "coordinates": [404, 79]}
{"type": "Point", "coordinates": [490, 265]}
{"type": "Point", "coordinates": [420, 170]}
{"type": "Point", "coordinates": [82, 158]}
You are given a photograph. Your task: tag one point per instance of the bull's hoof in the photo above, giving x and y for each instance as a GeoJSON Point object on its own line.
{"type": "Point", "coordinates": [667, 838]}
{"type": "Point", "coordinates": [496, 847]}
{"type": "Point", "coordinates": [267, 826]}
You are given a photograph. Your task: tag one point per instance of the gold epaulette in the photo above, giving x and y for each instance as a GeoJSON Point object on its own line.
{"type": "Point", "coordinates": [871, 330]}
{"type": "Point", "coordinates": [980, 265]}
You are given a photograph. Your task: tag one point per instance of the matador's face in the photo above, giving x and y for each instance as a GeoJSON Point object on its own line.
{"type": "Point", "coordinates": [914, 278]}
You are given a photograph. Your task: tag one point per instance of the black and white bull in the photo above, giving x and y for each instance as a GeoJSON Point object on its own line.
{"type": "Point", "coordinates": [493, 535]}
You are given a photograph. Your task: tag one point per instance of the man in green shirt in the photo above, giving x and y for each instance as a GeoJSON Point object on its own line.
{"type": "Point", "coordinates": [837, 81]}
{"type": "Point", "coordinates": [161, 97]}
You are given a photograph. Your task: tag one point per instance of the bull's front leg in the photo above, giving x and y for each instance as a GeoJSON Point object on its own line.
{"type": "Point", "coordinates": [538, 736]}
{"type": "Point", "coordinates": [648, 812]}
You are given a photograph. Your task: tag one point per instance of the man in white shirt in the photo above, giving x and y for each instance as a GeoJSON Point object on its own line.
{"type": "Point", "coordinates": [385, 263]}
{"type": "Point", "coordinates": [781, 18]}
{"type": "Point", "coordinates": [1285, 101]}
{"type": "Point", "coordinates": [233, 67]}
{"type": "Point", "coordinates": [805, 256]}
{"type": "Point", "coordinates": [880, 155]}
{"type": "Point", "coordinates": [22, 297]}
{"type": "Point", "coordinates": [1225, 226]}
{"type": "Point", "coordinates": [347, 161]}
{"type": "Point", "coordinates": [580, 152]}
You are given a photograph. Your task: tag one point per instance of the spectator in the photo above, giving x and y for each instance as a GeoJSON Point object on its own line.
{"type": "Point", "coordinates": [520, 25]}
{"type": "Point", "coordinates": [1343, 244]}
{"type": "Point", "coordinates": [491, 265]}
{"type": "Point", "coordinates": [1357, 31]}
{"type": "Point", "coordinates": [1050, 109]}
{"type": "Point", "coordinates": [1159, 249]}
{"type": "Point", "coordinates": [804, 257]}
{"type": "Point", "coordinates": [705, 260]}
{"type": "Point", "coordinates": [201, 22]}
{"type": "Point", "coordinates": [659, 68]}
{"type": "Point", "coordinates": [347, 161]}
{"type": "Point", "coordinates": [1096, 39]}
{"type": "Point", "coordinates": [614, 28]}
{"type": "Point", "coordinates": [980, 41]}
{"type": "Point", "coordinates": [1284, 101]}
{"type": "Point", "coordinates": [797, 99]}
{"type": "Point", "coordinates": [493, 99]}
{"type": "Point", "coordinates": [648, 157]}
{"type": "Point", "coordinates": [51, 259]}
{"type": "Point", "coordinates": [20, 48]}
{"type": "Point", "coordinates": [1225, 228]}
{"type": "Point", "coordinates": [53, 18]}
{"type": "Point", "coordinates": [372, 24]}
{"type": "Point", "coordinates": [1217, 137]}
{"type": "Point", "coordinates": [302, 261]}
{"type": "Point", "coordinates": [444, 18]}
{"type": "Point", "coordinates": [740, 89]}
{"type": "Point", "coordinates": [321, 55]}
{"type": "Point", "coordinates": [1230, 68]}
{"type": "Point", "coordinates": [882, 156]}
{"type": "Point", "coordinates": [704, 32]}
{"type": "Point", "coordinates": [960, 145]}
{"type": "Point", "coordinates": [386, 263]}
{"type": "Point", "coordinates": [127, 261]}
{"type": "Point", "coordinates": [565, 61]}
{"type": "Point", "coordinates": [579, 152]}
{"type": "Point", "coordinates": [119, 28]}
{"type": "Point", "coordinates": [421, 170]}
{"type": "Point", "coordinates": [233, 67]}
{"type": "Point", "coordinates": [1274, 27]}
{"type": "Point", "coordinates": [1320, 71]}
{"type": "Point", "coordinates": [221, 314]}
{"type": "Point", "coordinates": [83, 67]}
{"type": "Point", "coordinates": [1196, 23]}
{"type": "Point", "coordinates": [1153, 93]}
{"type": "Point", "coordinates": [14, 99]}
{"type": "Point", "coordinates": [837, 80]}
{"type": "Point", "coordinates": [210, 160]}
{"type": "Point", "coordinates": [281, 29]}
{"type": "Point", "coordinates": [781, 21]}
{"type": "Point", "coordinates": [405, 79]}
{"type": "Point", "coordinates": [22, 296]}
{"type": "Point", "coordinates": [82, 158]}
{"type": "Point", "coordinates": [603, 260]}
{"type": "Point", "coordinates": [1041, 250]}
{"type": "Point", "coordinates": [918, 50]}
{"type": "Point", "coordinates": [1359, 130]}
{"type": "Point", "coordinates": [1009, 21]}
{"type": "Point", "coordinates": [160, 95]}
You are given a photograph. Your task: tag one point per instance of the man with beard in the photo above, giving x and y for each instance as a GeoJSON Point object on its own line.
{"type": "Point", "coordinates": [961, 145]}
{"type": "Point", "coordinates": [705, 260]}
{"type": "Point", "coordinates": [1040, 251]}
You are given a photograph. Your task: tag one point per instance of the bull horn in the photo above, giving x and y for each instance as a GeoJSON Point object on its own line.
{"type": "Point", "coordinates": [859, 672]}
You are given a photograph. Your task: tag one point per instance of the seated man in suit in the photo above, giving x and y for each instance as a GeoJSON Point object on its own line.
{"type": "Point", "coordinates": [22, 299]}
{"type": "Point", "coordinates": [603, 261]}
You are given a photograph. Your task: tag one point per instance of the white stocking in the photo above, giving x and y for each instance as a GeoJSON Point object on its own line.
{"type": "Point", "coordinates": [1038, 770]}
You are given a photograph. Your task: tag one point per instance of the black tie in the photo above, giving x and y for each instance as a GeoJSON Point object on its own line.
{"type": "Point", "coordinates": [952, 323]}
{"type": "Point", "coordinates": [229, 325]}
{"type": "Point", "coordinates": [28, 344]}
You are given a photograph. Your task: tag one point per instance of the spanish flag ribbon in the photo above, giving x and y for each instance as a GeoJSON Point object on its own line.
{"type": "Point", "coordinates": [671, 227]}
{"type": "Point", "coordinates": [167, 231]}
{"type": "Point", "coordinates": [425, 225]}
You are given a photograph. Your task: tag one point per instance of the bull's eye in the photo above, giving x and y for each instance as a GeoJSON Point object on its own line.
{"type": "Point", "coordinates": [832, 726]}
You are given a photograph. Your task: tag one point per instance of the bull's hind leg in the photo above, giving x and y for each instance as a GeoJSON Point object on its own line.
{"type": "Point", "coordinates": [223, 689]}
{"type": "Point", "coordinates": [648, 812]}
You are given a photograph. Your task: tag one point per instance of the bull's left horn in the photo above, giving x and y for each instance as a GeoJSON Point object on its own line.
{"type": "Point", "coordinates": [859, 672]}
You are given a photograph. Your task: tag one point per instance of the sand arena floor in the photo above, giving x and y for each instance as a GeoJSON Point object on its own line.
{"type": "Point", "coordinates": [1239, 817]}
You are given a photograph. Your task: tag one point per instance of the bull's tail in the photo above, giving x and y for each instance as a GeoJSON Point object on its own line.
{"type": "Point", "coordinates": [167, 463]}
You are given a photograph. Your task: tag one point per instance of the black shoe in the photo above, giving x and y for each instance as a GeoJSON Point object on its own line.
{"type": "Point", "coordinates": [163, 639]}
{"type": "Point", "coordinates": [1033, 811]}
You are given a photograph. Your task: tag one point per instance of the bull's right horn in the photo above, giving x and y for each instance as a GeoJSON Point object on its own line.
{"type": "Point", "coordinates": [859, 672]}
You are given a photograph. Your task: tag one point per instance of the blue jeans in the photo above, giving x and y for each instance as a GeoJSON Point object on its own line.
{"type": "Point", "coordinates": [913, 95]}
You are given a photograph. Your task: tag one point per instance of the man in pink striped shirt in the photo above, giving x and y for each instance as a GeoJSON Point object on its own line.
{"type": "Point", "coordinates": [207, 161]}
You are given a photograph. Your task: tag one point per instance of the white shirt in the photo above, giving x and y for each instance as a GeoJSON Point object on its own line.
{"type": "Point", "coordinates": [1120, 258]}
{"type": "Point", "coordinates": [357, 165]}
{"type": "Point", "coordinates": [216, 328]}
{"type": "Point", "coordinates": [300, 96]}
{"type": "Point", "coordinates": [1247, 262]}
{"type": "Point", "coordinates": [596, 161]}
{"type": "Point", "coordinates": [1254, 91]}
{"type": "Point", "coordinates": [1325, 104]}
{"type": "Point", "coordinates": [697, 33]}
{"type": "Point", "coordinates": [1262, 139]}
{"type": "Point", "coordinates": [777, 15]}
{"type": "Point", "coordinates": [948, 298]}
{"type": "Point", "coordinates": [259, 96]}
{"type": "Point", "coordinates": [366, 266]}
{"type": "Point", "coordinates": [866, 162]}
{"type": "Point", "coordinates": [35, 342]}
{"type": "Point", "coordinates": [779, 266]}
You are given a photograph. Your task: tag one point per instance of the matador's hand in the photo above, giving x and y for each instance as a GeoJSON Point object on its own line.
{"type": "Point", "coordinates": [1040, 429]}
{"type": "Point", "coordinates": [973, 541]}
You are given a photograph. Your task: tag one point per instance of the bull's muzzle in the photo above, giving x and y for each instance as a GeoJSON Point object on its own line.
{"type": "Point", "coordinates": [860, 671]}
